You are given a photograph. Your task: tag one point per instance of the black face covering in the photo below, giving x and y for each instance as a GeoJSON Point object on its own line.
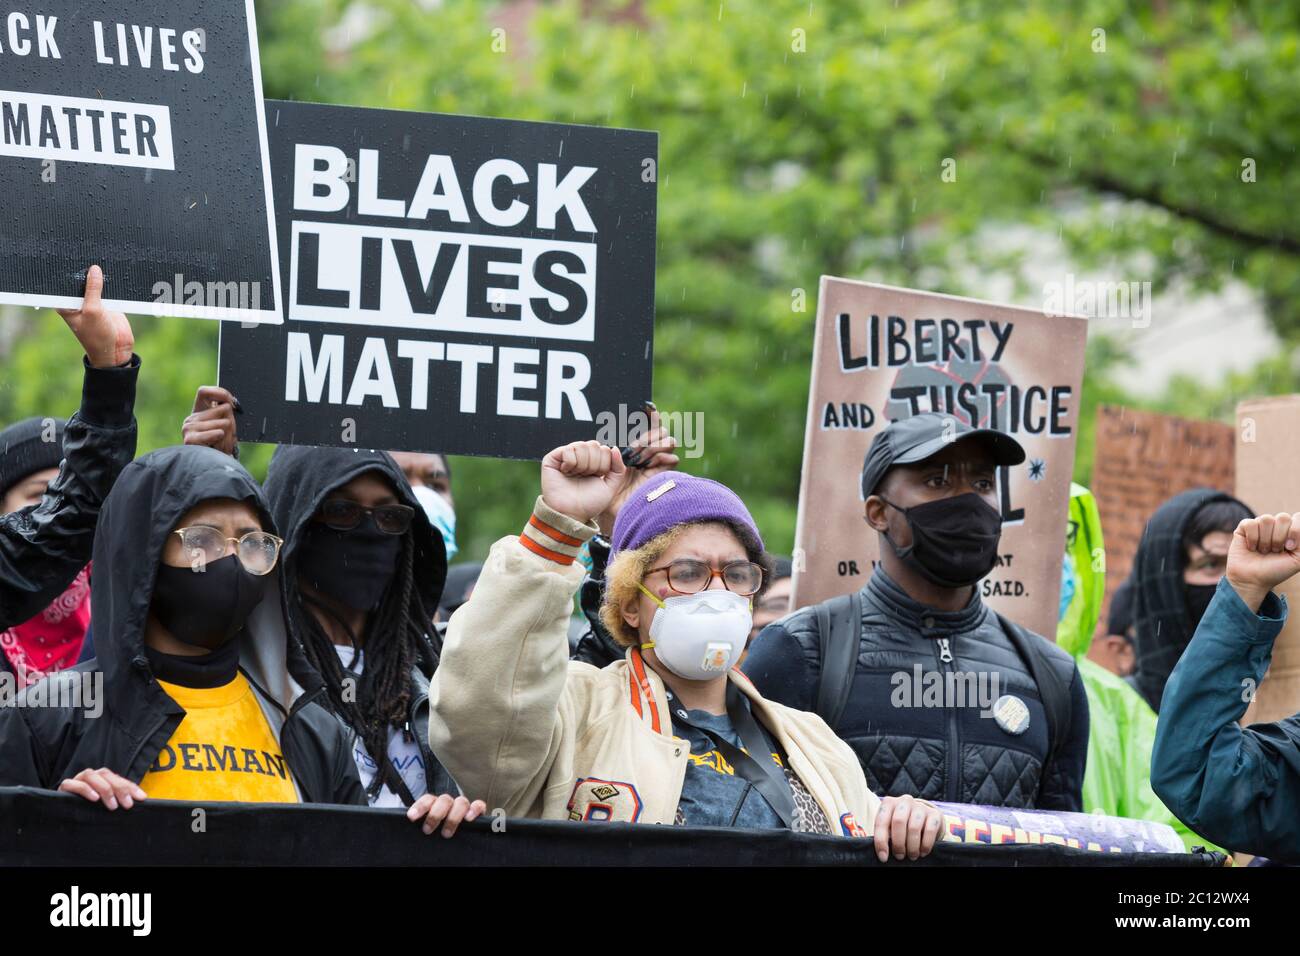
{"type": "Point", "coordinates": [206, 608]}
{"type": "Point", "coordinates": [954, 540]}
{"type": "Point", "coordinates": [354, 567]}
{"type": "Point", "coordinates": [1199, 597]}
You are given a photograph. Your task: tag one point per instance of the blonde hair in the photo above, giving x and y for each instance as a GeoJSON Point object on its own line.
{"type": "Point", "coordinates": [628, 569]}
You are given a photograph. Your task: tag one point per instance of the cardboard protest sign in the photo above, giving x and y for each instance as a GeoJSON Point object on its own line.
{"type": "Point", "coordinates": [132, 136]}
{"type": "Point", "coordinates": [1267, 463]}
{"type": "Point", "coordinates": [452, 283]}
{"type": "Point", "coordinates": [883, 353]}
{"type": "Point", "coordinates": [1141, 460]}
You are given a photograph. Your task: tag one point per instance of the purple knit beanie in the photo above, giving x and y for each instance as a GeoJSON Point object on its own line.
{"type": "Point", "coordinates": [670, 499]}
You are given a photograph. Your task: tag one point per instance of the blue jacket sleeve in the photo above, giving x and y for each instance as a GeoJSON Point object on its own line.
{"type": "Point", "coordinates": [1238, 787]}
{"type": "Point", "coordinates": [779, 667]}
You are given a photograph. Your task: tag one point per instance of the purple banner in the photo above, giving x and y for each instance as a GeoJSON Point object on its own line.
{"type": "Point", "coordinates": [969, 823]}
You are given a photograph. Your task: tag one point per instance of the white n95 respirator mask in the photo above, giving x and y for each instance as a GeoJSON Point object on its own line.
{"type": "Point", "coordinates": [700, 636]}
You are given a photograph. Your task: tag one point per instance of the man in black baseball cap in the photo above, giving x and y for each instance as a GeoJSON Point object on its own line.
{"type": "Point", "coordinates": [1016, 735]}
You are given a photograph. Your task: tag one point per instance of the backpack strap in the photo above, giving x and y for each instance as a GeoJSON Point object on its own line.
{"type": "Point", "coordinates": [1054, 694]}
{"type": "Point", "coordinates": [839, 622]}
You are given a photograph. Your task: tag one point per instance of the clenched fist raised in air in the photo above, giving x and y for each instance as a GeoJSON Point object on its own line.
{"type": "Point", "coordinates": [1262, 555]}
{"type": "Point", "coordinates": [580, 479]}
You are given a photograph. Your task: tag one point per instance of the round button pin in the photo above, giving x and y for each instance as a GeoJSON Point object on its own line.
{"type": "Point", "coordinates": [1012, 714]}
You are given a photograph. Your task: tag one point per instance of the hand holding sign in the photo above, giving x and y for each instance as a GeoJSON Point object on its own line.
{"type": "Point", "coordinates": [580, 479]}
{"type": "Point", "coordinates": [213, 421]}
{"type": "Point", "coordinates": [1262, 555]}
{"type": "Point", "coordinates": [645, 458]}
{"type": "Point", "coordinates": [106, 336]}
{"type": "Point", "coordinates": [906, 827]}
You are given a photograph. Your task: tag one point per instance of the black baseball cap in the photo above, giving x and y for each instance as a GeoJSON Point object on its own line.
{"type": "Point", "coordinates": [909, 440]}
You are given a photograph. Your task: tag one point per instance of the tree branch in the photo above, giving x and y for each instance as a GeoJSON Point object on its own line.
{"type": "Point", "coordinates": [1107, 183]}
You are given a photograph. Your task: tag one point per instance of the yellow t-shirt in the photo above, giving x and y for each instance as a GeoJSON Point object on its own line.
{"type": "Point", "coordinates": [222, 750]}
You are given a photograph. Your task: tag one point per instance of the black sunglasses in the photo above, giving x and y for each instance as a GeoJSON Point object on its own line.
{"type": "Point", "coordinates": [343, 515]}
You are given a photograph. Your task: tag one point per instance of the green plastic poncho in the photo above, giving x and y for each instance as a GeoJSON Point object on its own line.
{"type": "Point", "coordinates": [1117, 781]}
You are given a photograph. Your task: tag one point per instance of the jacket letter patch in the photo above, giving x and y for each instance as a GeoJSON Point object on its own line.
{"type": "Point", "coordinates": [604, 800]}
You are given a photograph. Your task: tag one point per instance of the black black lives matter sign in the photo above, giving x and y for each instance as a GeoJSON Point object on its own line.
{"type": "Point", "coordinates": [451, 283]}
{"type": "Point", "coordinates": [132, 136]}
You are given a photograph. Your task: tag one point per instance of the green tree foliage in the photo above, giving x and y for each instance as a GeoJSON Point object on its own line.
{"type": "Point", "coordinates": [802, 139]}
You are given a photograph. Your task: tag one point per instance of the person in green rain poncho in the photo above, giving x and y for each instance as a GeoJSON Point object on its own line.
{"type": "Point", "coordinates": [1117, 781]}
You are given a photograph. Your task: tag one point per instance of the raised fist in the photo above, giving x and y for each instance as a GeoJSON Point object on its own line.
{"type": "Point", "coordinates": [581, 478]}
{"type": "Point", "coordinates": [1262, 555]}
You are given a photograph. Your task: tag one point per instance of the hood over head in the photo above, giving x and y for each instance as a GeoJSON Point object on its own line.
{"type": "Point", "coordinates": [299, 479]}
{"type": "Point", "coordinates": [146, 503]}
{"type": "Point", "coordinates": [1162, 625]}
{"type": "Point", "coordinates": [1085, 554]}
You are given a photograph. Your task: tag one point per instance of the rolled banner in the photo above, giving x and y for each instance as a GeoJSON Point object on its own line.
{"type": "Point", "coordinates": [1095, 832]}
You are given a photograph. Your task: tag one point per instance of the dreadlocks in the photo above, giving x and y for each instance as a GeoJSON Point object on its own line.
{"type": "Point", "coordinates": [394, 640]}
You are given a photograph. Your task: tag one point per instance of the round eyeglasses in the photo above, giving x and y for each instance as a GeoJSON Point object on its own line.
{"type": "Point", "coordinates": [690, 576]}
{"type": "Point", "coordinates": [257, 551]}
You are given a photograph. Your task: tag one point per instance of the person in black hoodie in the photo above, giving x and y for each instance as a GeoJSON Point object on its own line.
{"type": "Point", "coordinates": [363, 572]}
{"type": "Point", "coordinates": [42, 549]}
{"type": "Point", "coordinates": [200, 699]}
{"type": "Point", "coordinates": [166, 634]}
{"type": "Point", "coordinates": [1181, 558]}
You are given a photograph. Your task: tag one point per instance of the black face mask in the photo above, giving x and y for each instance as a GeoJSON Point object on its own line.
{"type": "Point", "coordinates": [1198, 598]}
{"type": "Point", "coordinates": [206, 608]}
{"type": "Point", "coordinates": [354, 567]}
{"type": "Point", "coordinates": [954, 540]}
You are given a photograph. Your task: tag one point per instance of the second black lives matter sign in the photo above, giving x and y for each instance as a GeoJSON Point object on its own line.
{"type": "Point", "coordinates": [452, 283]}
{"type": "Point", "coordinates": [132, 136]}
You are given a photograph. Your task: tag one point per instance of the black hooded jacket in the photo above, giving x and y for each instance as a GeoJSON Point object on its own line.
{"type": "Point", "coordinates": [595, 645]}
{"type": "Point", "coordinates": [43, 548]}
{"type": "Point", "coordinates": [40, 746]}
{"type": "Point", "coordinates": [1161, 621]}
{"type": "Point", "coordinates": [297, 482]}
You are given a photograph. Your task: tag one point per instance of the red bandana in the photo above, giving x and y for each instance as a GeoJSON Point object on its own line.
{"type": "Point", "coordinates": [51, 640]}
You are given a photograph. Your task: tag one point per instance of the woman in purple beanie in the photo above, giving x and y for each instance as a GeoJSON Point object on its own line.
{"type": "Point", "coordinates": [670, 734]}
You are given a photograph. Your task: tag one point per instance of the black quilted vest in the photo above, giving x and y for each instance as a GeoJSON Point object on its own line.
{"type": "Point", "coordinates": [905, 744]}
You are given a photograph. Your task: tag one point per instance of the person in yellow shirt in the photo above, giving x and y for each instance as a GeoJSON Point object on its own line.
{"type": "Point", "coordinates": [199, 697]}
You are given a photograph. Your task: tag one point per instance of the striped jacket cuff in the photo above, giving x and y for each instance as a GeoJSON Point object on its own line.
{"type": "Point", "coordinates": [553, 535]}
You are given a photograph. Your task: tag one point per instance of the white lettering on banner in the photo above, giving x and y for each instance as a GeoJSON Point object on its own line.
{"type": "Point", "coordinates": [85, 130]}
{"type": "Point", "coordinates": [140, 49]}
{"type": "Point", "coordinates": [557, 377]}
{"type": "Point", "coordinates": [19, 34]}
{"type": "Point", "coordinates": [318, 167]}
{"type": "Point", "coordinates": [324, 166]}
{"type": "Point", "coordinates": [380, 276]}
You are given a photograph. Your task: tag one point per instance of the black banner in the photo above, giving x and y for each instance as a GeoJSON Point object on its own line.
{"type": "Point", "coordinates": [132, 136]}
{"type": "Point", "coordinates": [46, 829]}
{"type": "Point", "coordinates": [453, 284]}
